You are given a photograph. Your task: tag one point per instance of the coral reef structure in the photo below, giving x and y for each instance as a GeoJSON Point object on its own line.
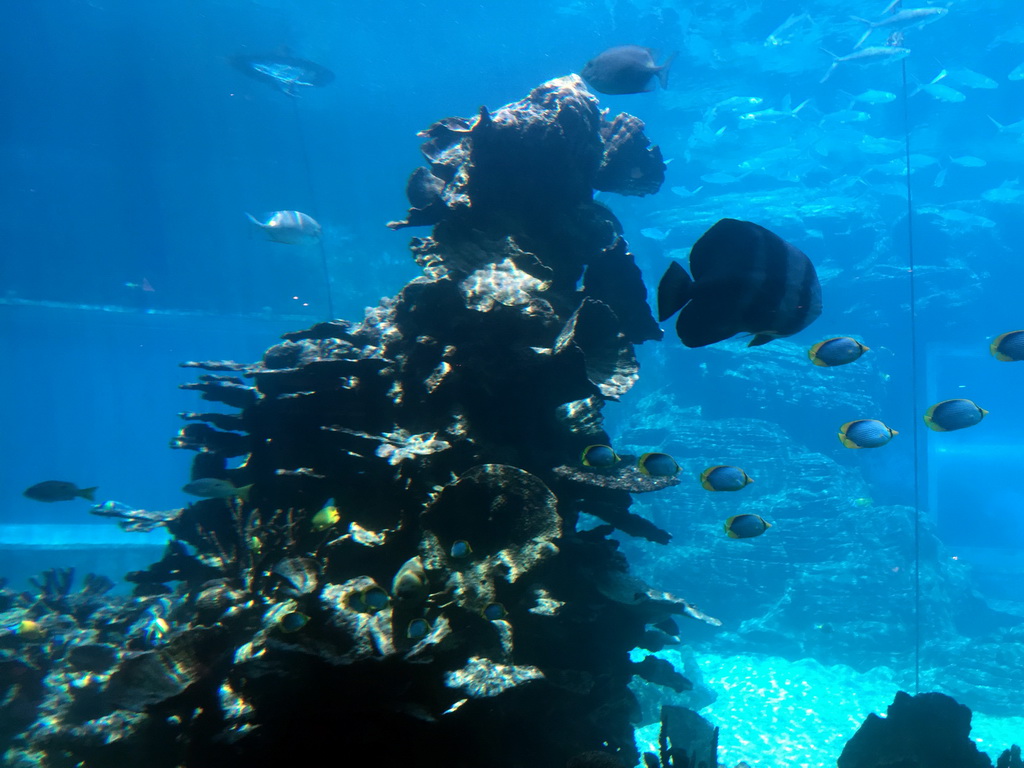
{"type": "Point", "coordinates": [401, 573]}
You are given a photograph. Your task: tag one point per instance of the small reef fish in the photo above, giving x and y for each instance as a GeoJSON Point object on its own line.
{"type": "Point", "coordinates": [58, 490]}
{"type": "Point", "coordinates": [904, 19]}
{"type": "Point", "coordinates": [746, 526]}
{"type": "Point", "coordinates": [838, 351]}
{"type": "Point", "coordinates": [27, 629]}
{"type": "Point", "coordinates": [626, 69]}
{"type": "Point", "coordinates": [658, 465]}
{"type": "Point", "coordinates": [293, 621]}
{"type": "Point", "coordinates": [372, 599]}
{"type": "Point", "coordinates": [865, 433]}
{"type": "Point", "coordinates": [724, 478]}
{"type": "Point", "coordinates": [325, 518]}
{"type": "Point", "coordinates": [495, 611]}
{"type": "Point", "coordinates": [745, 279]}
{"type": "Point", "coordinates": [873, 55]}
{"type": "Point", "coordinates": [410, 583]}
{"type": "Point", "coordinates": [289, 227]}
{"type": "Point", "coordinates": [287, 73]}
{"type": "Point", "coordinates": [215, 488]}
{"type": "Point", "coordinates": [461, 549]}
{"type": "Point", "coordinates": [599, 457]}
{"type": "Point", "coordinates": [949, 415]}
{"type": "Point", "coordinates": [418, 628]}
{"type": "Point", "coordinates": [1008, 347]}
{"type": "Point", "coordinates": [874, 97]}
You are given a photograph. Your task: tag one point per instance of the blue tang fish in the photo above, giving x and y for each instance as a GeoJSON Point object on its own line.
{"type": "Point", "coordinates": [746, 526]}
{"type": "Point", "coordinates": [1008, 347]}
{"type": "Point", "coordinates": [953, 414]}
{"type": "Point", "coordinates": [724, 478]}
{"type": "Point", "coordinates": [746, 279]}
{"type": "Point", "coordinates": [838, 351]}
{"type": "Point", "coordinates": [865, 433]}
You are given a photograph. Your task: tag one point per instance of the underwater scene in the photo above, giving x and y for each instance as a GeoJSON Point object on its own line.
{"type": "Point", "coordinates": [567, 384]}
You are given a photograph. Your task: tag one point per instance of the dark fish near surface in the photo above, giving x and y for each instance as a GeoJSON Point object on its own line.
{"type": "Point", "coordinates": [58, 490]}
{"type": "Point", "coordinates": [954, 414]}
{"type": "Point", "coordinates": [626, 69]}
{"type": "Point", "coordinates": [745, 279]}
{"type": "Point", "coordinates": [1008, 347]}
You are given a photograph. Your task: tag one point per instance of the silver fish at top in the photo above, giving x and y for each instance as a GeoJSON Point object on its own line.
{"type": "Point", "coordinates": [289, 227]}
{"type": "Point", "coordinates": [904, 19]}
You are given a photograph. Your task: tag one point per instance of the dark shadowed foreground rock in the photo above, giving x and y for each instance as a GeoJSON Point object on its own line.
{"type": "Point", "coordinates": [927, 730]}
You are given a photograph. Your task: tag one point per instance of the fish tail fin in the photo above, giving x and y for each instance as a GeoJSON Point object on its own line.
{"type": "Point", "coordinates": [88, 493]}
{"type": "Point", "coordinates": [793, 112]}
{"type": "Point", "coordinates": [835, 63]}
{"type": "Point", "coordinates": [996, 123]}
{"type": "Point", "coordinates": [243, 492]}
{"type": "Point", "coordinates": [664, 69]}
{"type": "Point", "coordinates": [253, 219]}
{"type": "Point", "coordinates": [674, 291]}
{"type": "Point", "coordinates": [864, 38]}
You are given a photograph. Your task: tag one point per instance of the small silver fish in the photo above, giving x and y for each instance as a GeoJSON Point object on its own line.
{"type": "Point", "coordinates": [289, 227]}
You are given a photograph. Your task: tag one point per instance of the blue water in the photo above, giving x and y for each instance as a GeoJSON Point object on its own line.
{"type": "Point", "coordinates": [132, 149]}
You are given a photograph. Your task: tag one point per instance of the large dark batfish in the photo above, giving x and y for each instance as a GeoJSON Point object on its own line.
{"type": "Point", "coordinates": [626, 69]}
{"type": "Point", "coordinates": [746, 279]}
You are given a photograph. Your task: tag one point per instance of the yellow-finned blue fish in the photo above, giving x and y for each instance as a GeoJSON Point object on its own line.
{"type": "Point", "coordinates": [495, 611]}
{"type": "Point", "coordinates": [658, 465]}
{"type": "Point", "coordinates": [418, 628]}
{"type": "Point", "coordinates": [837, 351]}
{"type": "Point", "coordinates": [289, 227]}
{"type": "Point", "coordinates": [325, 518]}
{"type": "Point", "coordinates": [599, 456]}
{"type": "Point", "coordinates": [865, 433]}
{"type": "Point", "coordinates": [1008, 347]}
{"type": "Point", "coordinates": [461, 549]}
{"type": "Point", "coordinates": [746, 526]}
{"type": "Point", "coordinates": [724, 478]}
{"type": "Point", "coordinates": [293, 621]}
{"type": "Point", "coordinates": [958, 413]}
{"type": "Point", "coordinates": [373, 598]}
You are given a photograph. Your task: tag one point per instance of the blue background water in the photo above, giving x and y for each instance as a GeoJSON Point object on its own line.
{"type": "Point", "coordinates": [132, 149]}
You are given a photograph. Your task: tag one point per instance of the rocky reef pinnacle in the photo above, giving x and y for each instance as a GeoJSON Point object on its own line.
{"type": "Point", "coordinates": [401, 573]}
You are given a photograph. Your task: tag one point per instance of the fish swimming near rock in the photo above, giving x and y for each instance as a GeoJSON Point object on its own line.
{"type": "Point", "coordinates": [746, 526]}
{"type": "Point", "coordinates": [949, 415]}
{"type": "Point", "coordinates": [865, 433]}
{"type": "Point", "coordinates": [1008, 347]}
{"type": "Point", "coordinates": [724, 478]}
{"type": "Point", "coordinates": [900, 20]}
{"type": "Point", "coordinates": [287, 73]}
{"type": "Point", "coordinates": [840, 350]}
{"type": "Point", "coordinates": [626, 69]}
{"type": "Point", "coordinates": [658, 465]}
{"type": "Point", "coordinates": [215, 488]}
{"type": "Point", "coordinates": [745, 279]}
{"type": "Point", "coordinates": [599, 456]}
{"type": "Point", "coordinates": [289, 227]}
{"type": "Point", "coordinates": [325, 518]}
{"type": "Point", "coordinates": [58, 490]}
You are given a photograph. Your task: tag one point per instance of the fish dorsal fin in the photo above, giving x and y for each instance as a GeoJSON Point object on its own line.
{"type": "Point", "coordinates": [674, 291]}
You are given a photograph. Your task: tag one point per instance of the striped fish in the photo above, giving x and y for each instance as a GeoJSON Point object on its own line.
{"type": "Point", "coordinates": [746, 279]}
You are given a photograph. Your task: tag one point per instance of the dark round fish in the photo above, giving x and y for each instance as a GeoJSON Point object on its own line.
{"type": "Point", "coordinates": [838, 351]}
{"type": "Point", "coordinates": [58, 490]}
{"type": "Point", "coordinates": [746, 279]}
{"type": "Point", "coordinates": [293, 621]}
{"type": "Point", "coordinates": [865, 433]}
{"type": "Point", "coordinates": [626, 69]}
{"type": "Point", "coordinates": [954, 414]}
{"type": "Point", "coordinates": [746, 526]}
{"type": "Point", "coordinates": [724, 478]}
{"type": "Point", "coordinates": [1008, 347]}
{"type": "Point", "coordinates": [600, 456]}
{"type": "Point", "coordinates": [658, 465]}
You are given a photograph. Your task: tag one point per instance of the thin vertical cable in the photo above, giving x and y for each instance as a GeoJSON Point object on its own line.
{"type": "Point", "coordinates": [913, 388]}
{"type": "Point", "coordinates": [312, 196]}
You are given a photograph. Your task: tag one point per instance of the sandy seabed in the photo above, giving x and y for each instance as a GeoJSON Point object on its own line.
{"type": "Point", "coordinates": [773, 712]}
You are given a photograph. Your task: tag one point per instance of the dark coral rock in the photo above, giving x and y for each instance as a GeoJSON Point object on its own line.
{"type": "Point", "coordinates": [687, 739]}
{"type": "Point", "coordinates": [929, 729]}
{"type": "Point", "coordinates": [630, 165]}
